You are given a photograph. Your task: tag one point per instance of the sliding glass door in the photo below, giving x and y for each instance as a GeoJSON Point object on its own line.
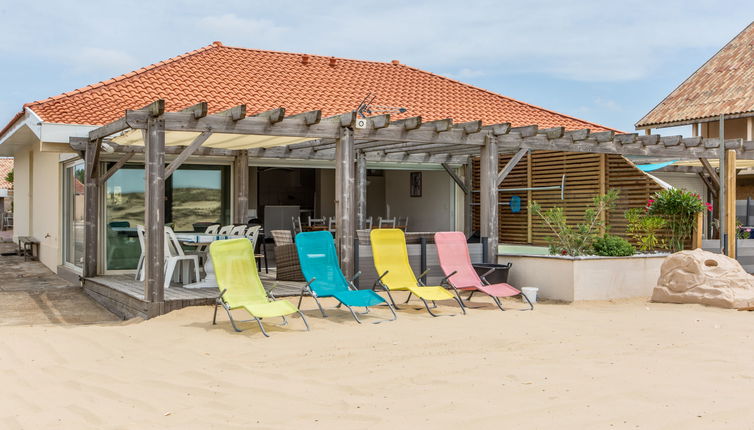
{"type": "Point", "coordinates": [73, 215]}
{"type": "Point", "coordinates": [195, 196]}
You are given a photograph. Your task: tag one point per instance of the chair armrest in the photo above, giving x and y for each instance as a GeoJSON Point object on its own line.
{"type": "Point", "coordinates": [446, 279]}
{"type": "Point", "coordinates": [356, 276]}
{"type": "Point", "coordinates": [379, 280]}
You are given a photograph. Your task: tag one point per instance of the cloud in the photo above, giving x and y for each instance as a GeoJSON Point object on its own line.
{"type": "Point", "coordinates": [607, 104]}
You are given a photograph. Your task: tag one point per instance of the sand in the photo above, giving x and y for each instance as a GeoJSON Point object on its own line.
{"type": "Point", "coordinates": [596, 365]}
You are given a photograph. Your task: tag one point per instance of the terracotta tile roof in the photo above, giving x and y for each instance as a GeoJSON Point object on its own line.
{"type": "Point", "coordinates": [226, 76]}
{"type": "Point", "coordinates": [723, 85]}
{"type": "Point", "coordinates": [6, 165]}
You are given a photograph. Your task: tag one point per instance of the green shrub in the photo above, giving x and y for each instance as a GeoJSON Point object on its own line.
{"type": "Point", "coordinates": [612, 246]}
{"type": "Point", "coordinates": [575, 239]}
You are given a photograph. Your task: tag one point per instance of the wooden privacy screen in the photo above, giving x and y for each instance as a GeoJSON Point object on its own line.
{"type": "Point", "coordinates": [587, 175]}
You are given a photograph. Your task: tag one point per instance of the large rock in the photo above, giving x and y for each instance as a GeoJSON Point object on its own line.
{"type": "Point", "coordinates": [704, 277]}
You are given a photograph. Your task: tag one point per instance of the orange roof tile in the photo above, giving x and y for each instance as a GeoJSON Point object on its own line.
{"type": "Point", "coordinates": [6, 165]}
{"type": "Point", "coordinates": [723, 85]}
{"type": "Point", "coordinates": [226, 76]}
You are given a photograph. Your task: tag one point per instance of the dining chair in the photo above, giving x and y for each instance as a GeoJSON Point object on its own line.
{"type": "Point", "coordinates": [368, 223]}
{"type": "Point", "coordinates": [239, 230]}
{"type": "Point", "coordinates": [402, 223]}
{"type": "Point", "coordinates": [316, 221]}
{"type": "Point", "coordinates": [175, 258]}
{"type": "Point", "coordinates": [140, 232]}
{"type": "Point", "coordinates": [225, 230]}
{"type": "Point", "coordinates": [331, 225]}
{"type": "Point", "coordinates": [296, 221]}
{"type": "Point", "coordinates": [385, 222]}
{"type": "Point", "coordinates": [203, 249]}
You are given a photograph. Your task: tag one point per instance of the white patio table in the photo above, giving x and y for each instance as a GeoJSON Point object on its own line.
{"type": "Point", "coordinates": [209, 280]}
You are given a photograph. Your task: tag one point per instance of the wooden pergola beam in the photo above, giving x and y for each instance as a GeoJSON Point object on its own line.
{"type": "Point", "coordinates": [154, 214]}
{"type": "Point", "coordinates": [117, 166]}
{"type": "Point", "coordinates": [463, 186]}
{"type": "Point", "coordinates": [715, 181]}
{"type": "Point", "coordinates": [273, 115]}
{"type": "Point", "coordinates": [308, 118]}
{"type": "Point", "coordinates": [198, 110]}
{"type": "Point", "coordinates": [186, 153]}
{"type": "Point", "coordinates": [236, 113]}
{"type": "Point", "coordinates": [510, 165]}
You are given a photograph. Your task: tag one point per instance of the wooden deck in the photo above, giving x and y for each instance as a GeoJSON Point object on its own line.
{"type": "Point", "coordinates": [124, 296]}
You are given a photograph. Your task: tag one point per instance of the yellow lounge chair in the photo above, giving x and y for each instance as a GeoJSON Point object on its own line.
{"type": "Point", "coordinates": [391, 261]}
{"type": "Point", "coordinates": [240, 286]}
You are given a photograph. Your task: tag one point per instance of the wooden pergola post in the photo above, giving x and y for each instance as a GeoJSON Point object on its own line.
{"type": "Point", "coordinates": [344, 203]}
{"type": "Point", "coordinates": [154, 213]}
{"type": "Point", "coordinates": [361, 186]}
{"type": "Point", "coordinates": [730, 201]}
{"type": "Point", "coordinates": [241, 181]}
{"type": "Point", "coordinates": [489, 197]}
{"type": "Point", "coordinates": [468, 177]}
{"type": "Point", "coordinates": [91, 208]}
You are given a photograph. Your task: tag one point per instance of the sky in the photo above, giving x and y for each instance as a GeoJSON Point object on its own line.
{"type": "Point", "coordinates": [603, 61]}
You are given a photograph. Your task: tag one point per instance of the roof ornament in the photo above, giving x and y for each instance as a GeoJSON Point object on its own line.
{"type": "Point", "coordinates": [366, 108]}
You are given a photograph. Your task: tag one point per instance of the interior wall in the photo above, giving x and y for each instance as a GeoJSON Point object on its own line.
{"type": "Point", "coordinates": [433, 211]}
{"type": "Point", "coordinates": [375, 197]}
{"type": "Point", "coordinates": [326, 192]}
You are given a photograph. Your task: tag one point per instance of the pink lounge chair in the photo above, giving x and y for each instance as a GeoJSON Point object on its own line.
{"type": "Point", "coordinates": [460, 274]}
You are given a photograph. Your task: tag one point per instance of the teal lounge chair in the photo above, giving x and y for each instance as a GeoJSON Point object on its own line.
{"type": "Point", "coordinates": [319, 264]}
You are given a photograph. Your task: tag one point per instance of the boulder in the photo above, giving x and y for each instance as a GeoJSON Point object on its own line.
{"type": "Point", "coordinates": [706, 278]}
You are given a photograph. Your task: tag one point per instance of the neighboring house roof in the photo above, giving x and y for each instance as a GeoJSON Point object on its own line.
{"type": "Point", "coordinates": [226, 76]}
{"type": "Point", "coordinates": [6, 165]}
{"type": "Point", "coordinates": [723, 85]}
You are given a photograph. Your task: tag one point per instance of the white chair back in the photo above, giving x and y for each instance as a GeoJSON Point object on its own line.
{"type": "Point", "coordinates": [316, 221]}
{"type": "Point", "coordinates": [141, 233]}
{"type": "Point", "coordinates": [253, 234]}
{"type": "Point", "coordinates": [296, 221]}
{"type": "Point", "coordinates": [385, 222]}
{"type": "Point", "coordinates": [368, 223]}
{"type": "Point", "coordinates": [172, 246]}
{"type": "Point", "coordinates": [225, 230]}
{"type": "Point", "coordinates": [238, 230]}
{"type": "Point", "coordinates": [331, 224]}
{"type": "Point", "coordinates": [213, 229]}
{"type": "Point", "coordinates": [402, 223]}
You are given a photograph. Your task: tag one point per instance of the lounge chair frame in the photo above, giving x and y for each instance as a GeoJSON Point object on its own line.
{"type": "Point", "coordinates": [220, 301]}
{"type": "Point", "coordinates": [380, 284]}
{"type": "Point", "coordinates": [351, 287]}
{"type": "Point", "coordinates": [497, 300]}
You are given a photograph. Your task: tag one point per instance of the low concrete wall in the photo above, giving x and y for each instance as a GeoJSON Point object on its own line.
{"type": "Point", "coordinates": [571, 279]}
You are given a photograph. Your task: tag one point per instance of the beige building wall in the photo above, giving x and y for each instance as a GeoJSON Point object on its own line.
{"type": "Point", "coordinates": [734, 128]}
{"type": "Point", "coordinates": [45, 204]}
{"type": "Point", "coordinates": [22, 193]}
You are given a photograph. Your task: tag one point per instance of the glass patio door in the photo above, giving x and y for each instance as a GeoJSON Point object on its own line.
{"type": "Point", "coordinates": [195, 195]}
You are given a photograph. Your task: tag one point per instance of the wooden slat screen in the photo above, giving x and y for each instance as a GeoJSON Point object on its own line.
{"type": "Point", "coordinates": [582, 184]}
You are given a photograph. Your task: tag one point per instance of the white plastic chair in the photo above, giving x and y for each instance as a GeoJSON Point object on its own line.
{"type": "Point", "coordinates": [174, 255]}
{"type": "Point", "coordinates": [316, 221]}
{"type": "Point", "coordinates": [386, 222]}
{"type": "Point", "coordinates": [239, 230]}
{"type": "Point", "coordinates": [296, 221]}
{"type": "Point", "coordinates": [201, 250]}
{"type": "Point", "coordinates": [368, 223]}
{"type": "Point", "coordinates": [402, 223]}
{"type": "Point", "coordinates": [331, 225]}
{"type": "Point", "coordinates": [225, 230]}
{"type": "Point", "coordinates": [140, 231]}
{"type": "Point", "coordinates": [253, 234]}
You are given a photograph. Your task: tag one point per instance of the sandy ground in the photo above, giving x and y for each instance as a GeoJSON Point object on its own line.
{"type": "Point", "coordinates": [594, 365]}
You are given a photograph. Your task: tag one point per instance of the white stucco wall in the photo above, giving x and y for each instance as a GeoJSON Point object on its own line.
{"type": "Point", "coordinates": [22, 193]}
{"type": "Point", "coordinates": [433, 211]}
{"type": "Point", "coordinates": [45, 204]}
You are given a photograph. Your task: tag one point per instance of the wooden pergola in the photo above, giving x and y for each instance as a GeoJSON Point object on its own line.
{"type": "Point", "coordinates": [351, 143]}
